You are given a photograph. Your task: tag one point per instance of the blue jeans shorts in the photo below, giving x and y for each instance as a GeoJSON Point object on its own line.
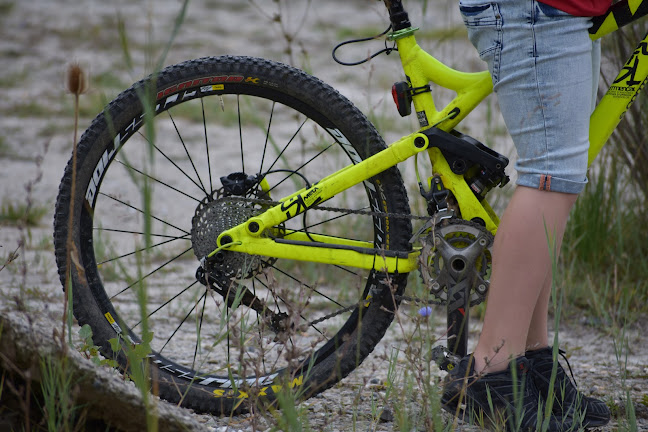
{"type": "Point", "coordinates": [545, 73]}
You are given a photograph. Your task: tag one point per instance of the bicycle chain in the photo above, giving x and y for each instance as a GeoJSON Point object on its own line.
{"type": "Point", "coordinates": [366, 304]}
{"type": "Point", "coordinates": [267, 203]}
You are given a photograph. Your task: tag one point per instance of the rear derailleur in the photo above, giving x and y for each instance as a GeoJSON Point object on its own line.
{"type": "Point", "coordinates": [236, 294]}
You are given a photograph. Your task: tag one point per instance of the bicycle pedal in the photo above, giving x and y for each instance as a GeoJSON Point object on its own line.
{"type": "Point", "coordinates": [444, 358]}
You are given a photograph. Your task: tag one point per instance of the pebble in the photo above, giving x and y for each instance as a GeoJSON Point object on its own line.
{"type": "Point", "coordinates": [386, 416]}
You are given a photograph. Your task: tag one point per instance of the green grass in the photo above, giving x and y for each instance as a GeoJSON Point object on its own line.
{"type": "Point", "coordinates": [605, 255]}
{"type": "Point", "coordinates": [31, 108]}
{"type": "Point", "coordinates": [22, 214]}
{"type": "Point", "coordinates": [13, 80]}
{"type": "Point", "coordinates": [5, 8]}
{"type": "Point", "coordinates": [5, 150]}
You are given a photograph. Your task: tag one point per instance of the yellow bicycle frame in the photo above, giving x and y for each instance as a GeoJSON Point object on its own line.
{"type": "Point", "coordinates": [628, 83]}
{"type": "Point", "coordinates": [255, 236]}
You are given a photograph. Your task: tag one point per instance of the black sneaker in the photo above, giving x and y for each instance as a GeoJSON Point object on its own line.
{"type": "Point", "coordinates": [492, 397]}
{"type": "Point", "coordinates": [567, 399]}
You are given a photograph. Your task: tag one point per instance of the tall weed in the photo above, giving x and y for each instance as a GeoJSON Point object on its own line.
{"type": "Point", "coordinates": [604, 256]}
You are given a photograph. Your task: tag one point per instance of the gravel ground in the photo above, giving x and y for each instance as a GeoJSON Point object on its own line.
{"type": "Point", "coordinates": [40, 38]}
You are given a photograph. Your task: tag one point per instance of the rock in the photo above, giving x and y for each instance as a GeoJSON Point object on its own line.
{"type": "Point", "coordinates": [386, 416]}
{"type": "Point", "coordinates": [106, 397]}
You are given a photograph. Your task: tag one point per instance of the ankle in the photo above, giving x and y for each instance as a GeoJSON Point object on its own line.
{"type": "Point", "coordinates": [538, 347]}
{"type": "Point", "coordinates": [485, 363]}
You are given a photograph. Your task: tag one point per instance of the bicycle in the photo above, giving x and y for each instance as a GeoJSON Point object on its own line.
{"type": "Point", "coordinates": [241, 290]}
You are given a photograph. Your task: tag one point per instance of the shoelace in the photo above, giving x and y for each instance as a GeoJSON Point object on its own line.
{"type": "Point", "coordinates": [564, 356]}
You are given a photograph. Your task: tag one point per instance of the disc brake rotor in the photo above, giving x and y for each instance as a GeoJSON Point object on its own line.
{"type": "Point", "coordinates": [456, 252]}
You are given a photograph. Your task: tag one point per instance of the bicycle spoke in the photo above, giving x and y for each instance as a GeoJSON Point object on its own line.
{"type": "Point", "coordinates": [211, 184]}
{"type": "Point", "coordinates": [306, 285]}
{"type": "Point", "coordinates": [276, 296]}
{"type": "Point", "coordinates": [150, 273]}
{"type": "Point", "coordinates": [267, 137]}
{"type": "Point", "coordinates": [202, 314]}
{"type": "Point", "coordinates": [259, 327]}
{"type": "Point", "coordinates": [306, 229]}
{"type": "Point", "coordinates": [157, 180]}
{"type": "Point", "coordinates": [142, 250]}
{"type": "Point", "coordinates": [300, 167]}
{"type": "Point", "coordinates": [174, 164]}
{"type": "Point", "coordinates": [182, 322]}
{"type": "Point", "coordinates": [287, 144]}
{"type": "Point", "coordinates": [140, 233]}
{"type": "Point", "coordinates": [143, 212]}
{"type": "Point", "coordinates": [238, 110]}
{"type": "Point", "coordinates": [166, 303]}
{"type": "Point", "coordinates": [182, 141]}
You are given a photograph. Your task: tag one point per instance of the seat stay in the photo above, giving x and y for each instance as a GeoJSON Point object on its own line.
{"type": "Point", "coordinates": [259, 235]}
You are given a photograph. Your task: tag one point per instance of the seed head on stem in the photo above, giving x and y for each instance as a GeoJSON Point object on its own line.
{"type": "Point", "coordinates": [76, 80]}
{"type": "Point", "coordinates": [77, 84]}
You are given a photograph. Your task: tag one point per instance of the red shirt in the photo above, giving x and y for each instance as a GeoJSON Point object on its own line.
{"type": "Point", "coordinates": [580, 7]}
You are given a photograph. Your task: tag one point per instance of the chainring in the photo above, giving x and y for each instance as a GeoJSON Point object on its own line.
{"type": "Point", "coordinates": [457, 251]}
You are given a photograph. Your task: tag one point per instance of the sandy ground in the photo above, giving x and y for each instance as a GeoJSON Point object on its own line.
{"type": "Point", "coordinates": [40, 38]}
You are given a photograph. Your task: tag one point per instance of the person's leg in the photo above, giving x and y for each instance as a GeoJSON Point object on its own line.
{"type": "Point", "coordinates": [537, 336]}
{"type": "Point", "coordinates": [540, 62]}
{"type": "Point", "coordinates": [543, 78]}
{"type": "Point", "coordinates": [522, 263]}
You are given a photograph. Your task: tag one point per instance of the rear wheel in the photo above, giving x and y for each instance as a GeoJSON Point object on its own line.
{"type": "Point", "coordinates": [229, 136]}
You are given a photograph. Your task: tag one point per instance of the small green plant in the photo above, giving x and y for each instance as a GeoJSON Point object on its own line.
{"type": "Point", "coordinates": [91, 351]}
{"type": "Point", "coordinates": [4, 147]}
{"type": "Point", "coordinates": [289, 417]}
{"type": "Point", "coordinates": [289, 27]}
{"type": "Point", "coordinates": [412, 390]}
{"type": "Point", "coordinates": [136, 353]}
{"type": "Point", "coordinates": [644, 400]}
{"type": "Point", "coordinates": [21, 213]}
{"type": "Point", "coordinates": [5, 8]}
{"type": "Point", "coordinates": [60, 410]}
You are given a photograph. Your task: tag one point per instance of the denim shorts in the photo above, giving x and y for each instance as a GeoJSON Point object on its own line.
{"type": "Point", "coordinates": [545, 72]}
